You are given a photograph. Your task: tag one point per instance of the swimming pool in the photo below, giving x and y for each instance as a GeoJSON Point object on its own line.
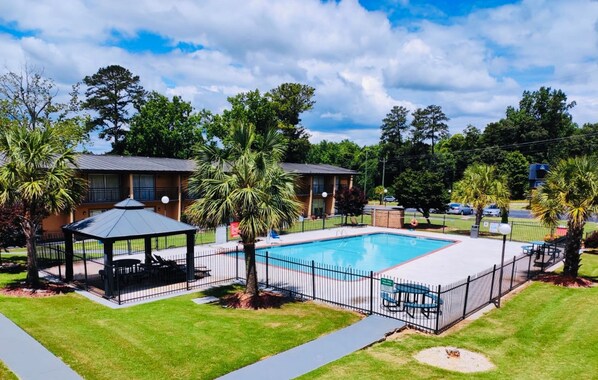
{"type": "Point", "coordinates": [372, 252]}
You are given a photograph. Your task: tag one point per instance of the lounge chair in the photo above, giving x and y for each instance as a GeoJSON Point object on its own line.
{"type": "Point", "coordinates": [273, 237]}
{"type": "Point", "coordinates": [200, 272]}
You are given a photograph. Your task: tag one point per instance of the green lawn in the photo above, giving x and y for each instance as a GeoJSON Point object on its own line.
{"type": "Point", "coordinates": [166, 339]}
{"type": "Point", "coordinates": [546, 332]}
{"type": "Point", "coordinates": [5, 373]}
{"type": "Point", "coordinates": [524, 230]}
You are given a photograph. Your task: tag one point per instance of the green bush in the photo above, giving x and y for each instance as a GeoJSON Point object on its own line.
{"type": "Point", "coordinates": [592, 240]}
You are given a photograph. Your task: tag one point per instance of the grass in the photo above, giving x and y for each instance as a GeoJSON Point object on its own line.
{"type": "Point", "coordinates": [5, 373]}
{"type": "Point", "coordinates": [524, 230]}
{"type": "Point", "coordinates": [7, 278]}
{"type": "Point", "coordinates": [172, 338]}
{"type": "Point", "coordinates": [545, 331]}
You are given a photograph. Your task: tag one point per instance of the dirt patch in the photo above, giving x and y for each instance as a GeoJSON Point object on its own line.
{"type": "Point", "coordinates": [566, 281]}
{"type": "Point", "coordinates": [46, 289]}
{"type": "Point", "coordinates": [264, 300]}
{"type": "Point", "coordinates": [455, 359]}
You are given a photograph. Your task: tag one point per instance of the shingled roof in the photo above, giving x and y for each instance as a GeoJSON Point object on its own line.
{"type": "Point", "coordinates": [129, 164]}
{"type": "Point", "coordinates": [128, 219]}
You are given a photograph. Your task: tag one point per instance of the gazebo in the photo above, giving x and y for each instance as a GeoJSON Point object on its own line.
{"type": "Point", "coordinates": [127, 220]}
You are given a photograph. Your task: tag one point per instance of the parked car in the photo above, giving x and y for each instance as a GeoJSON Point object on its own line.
{"type": "Point", "coordinates": [389, 198]}
{"type": "Point", "coordinates": [492, 210]}
{"type": "Point", "coordinates": [459, 209]}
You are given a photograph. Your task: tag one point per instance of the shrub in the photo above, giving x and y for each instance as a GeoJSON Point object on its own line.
{"type": "Point", "coordinates": [592, 240]}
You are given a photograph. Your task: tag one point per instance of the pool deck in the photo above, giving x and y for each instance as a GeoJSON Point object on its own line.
{"type": "Point", "coordinates": [465, 257]}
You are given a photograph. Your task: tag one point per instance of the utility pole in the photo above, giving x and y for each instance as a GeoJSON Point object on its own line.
{"type": "Point", "coordinates": [383, 171]}
{"type": "Point", "coordinates": [365, 182]}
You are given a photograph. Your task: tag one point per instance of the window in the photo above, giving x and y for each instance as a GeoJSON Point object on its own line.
{"type": "Point", "coordinates": [317, 207]}
{"type": "Point", "coordinates": [318, 185]}
{"type": "Point", "coordinates": [103, 188]}
{"type": "Point", "coordinates": [97, 212]}
{"type": "Point", "coordinates": [143, 187]}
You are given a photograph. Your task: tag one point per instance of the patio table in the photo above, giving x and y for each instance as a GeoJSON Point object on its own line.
{"type": "Point", "coordinates": [405, 290]}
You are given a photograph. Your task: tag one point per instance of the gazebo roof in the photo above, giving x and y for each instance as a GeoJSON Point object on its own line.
{"type": "Point", "coordinates": [127, 220]}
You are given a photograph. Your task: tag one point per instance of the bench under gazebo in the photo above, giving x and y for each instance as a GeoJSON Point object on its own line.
{"type": "Point", "coordinates": [128, 220]}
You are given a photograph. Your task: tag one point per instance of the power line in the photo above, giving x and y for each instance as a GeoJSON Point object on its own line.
{"type": "Point", "coordinates": [507, 146]}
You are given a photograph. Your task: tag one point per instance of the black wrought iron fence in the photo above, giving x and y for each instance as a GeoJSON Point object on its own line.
{"type": "Point", "coordinates": [523, 231]}
{"type": "Point", "coordinates": [433, 308]}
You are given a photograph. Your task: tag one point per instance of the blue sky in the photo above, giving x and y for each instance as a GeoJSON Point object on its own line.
{"type": "Point", "coordinates": [473, 58]}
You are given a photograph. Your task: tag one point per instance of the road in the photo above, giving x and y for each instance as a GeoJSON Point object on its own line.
{"type": "Point", "coordinates": [526, 214]}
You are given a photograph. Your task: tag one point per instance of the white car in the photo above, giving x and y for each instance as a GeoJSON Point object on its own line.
{"type": "Point", "coordinates": [389, 198]}
{"type": "Point", "coordinates": [492, 210]}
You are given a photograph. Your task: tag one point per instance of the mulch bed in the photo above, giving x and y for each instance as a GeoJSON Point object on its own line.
{"type": "Point", "coordinates": [264, 300]}
{"type": "Point", "coordinates": [46, 289]}
{"type": "Point", "coordinates": [566, 281]}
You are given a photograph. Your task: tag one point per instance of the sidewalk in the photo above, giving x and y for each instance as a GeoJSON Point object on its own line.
{"type": "Point", "coordinates": [27, 358]}
{"type": "Point", "coordinates": [312, 355]}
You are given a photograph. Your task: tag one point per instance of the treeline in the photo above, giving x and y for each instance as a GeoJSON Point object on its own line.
{"type": "Point", "coordinates": [414, 145]}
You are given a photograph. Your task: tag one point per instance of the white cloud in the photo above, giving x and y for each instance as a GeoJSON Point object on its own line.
{"type": "Point", "coordinates": [360, 65]}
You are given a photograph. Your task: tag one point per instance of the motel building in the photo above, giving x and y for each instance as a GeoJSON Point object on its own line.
{"type": "Point", "coordinates": [161, 184]}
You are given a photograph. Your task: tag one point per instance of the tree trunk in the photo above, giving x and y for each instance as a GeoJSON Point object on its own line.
{"type": "Point", "coordinates": [478, 216]}
{"type": "Point", "coordinates": [572, 247]}
{"type": "Point", "coordinates": [251, 287]}
{"type": "Point", "coordinates": [32, 272]}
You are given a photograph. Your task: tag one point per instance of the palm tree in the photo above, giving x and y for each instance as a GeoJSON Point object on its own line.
{"type": "Point", "coordinates": [480, 186]}
{"type": "Point", "coordinates": [38, 176]}
{"type": "Point", "coordinates": [244, 182]}
{"type": "Point", "coordinates": [571, 189]}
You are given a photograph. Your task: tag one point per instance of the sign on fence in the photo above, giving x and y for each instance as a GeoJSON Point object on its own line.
{"type": "Point", "coordinates": [387, 285]}
{"type": "Point", "coordinates": [494, 228]}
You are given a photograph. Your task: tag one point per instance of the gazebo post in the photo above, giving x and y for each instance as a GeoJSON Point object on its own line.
{"type": "Point", "coordinates": [68, 255]}
{"type": "Point", "coordinates": [148, 252]}
{"type": "Point", "coordinates": [190, 258]}
{"type": "Point", "coordinates": [108, 270]}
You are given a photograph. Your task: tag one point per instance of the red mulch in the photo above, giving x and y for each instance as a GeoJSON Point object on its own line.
{"type": "Point", "coordinates": [566, 281]}
{"type": "Point", "coordinates": [264, 300]}
{"type": "Point", "coordinates": [46, 289]}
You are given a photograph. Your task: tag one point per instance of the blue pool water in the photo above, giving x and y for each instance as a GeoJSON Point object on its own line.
{"type": "Point", "coordinates": [365, 252]}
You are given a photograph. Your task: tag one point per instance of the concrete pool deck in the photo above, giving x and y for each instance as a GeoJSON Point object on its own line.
{"type": "Point", "coordinates": [465, 257]}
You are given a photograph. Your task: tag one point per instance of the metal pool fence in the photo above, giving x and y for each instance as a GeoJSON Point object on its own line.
{"type": "Point", "coordinates": [429, 307]}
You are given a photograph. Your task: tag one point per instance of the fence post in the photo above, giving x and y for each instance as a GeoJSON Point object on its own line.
{"type": "Point", "coordinates": [438, 310]}
{"type": "Point", "coordinates": [323, 221]}
{"type": "Point", "coordinates": [466, 294]}
{"type": "Point", "coordinates": [117, 284]}
{"type": "Point", "coordinates": [267, 258]}
{"type": "Point", "coordinates": [512, 273]}
{"type": "Point", "coordinates": [85, 267]}
{"type": "Point", "coordinates": [371, 292]}
{"type": "Point", "coordinates": [492, 284]}
{"type": "Point", "coordinates": [303, 225]}
{"type": "Point", "coordinates": [313, 279]}
{"type": "Point", "coordinates": [237, 263]}
{"type": "Point", "coordinates": [443, 222]}
{"type": "Point", "coordinates": [511, 234]}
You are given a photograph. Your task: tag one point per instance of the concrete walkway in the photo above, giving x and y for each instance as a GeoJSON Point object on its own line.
{"type": "Point", "coordinates": [303, 359]}
{"type": "Point", "coordinates": [27, 358]}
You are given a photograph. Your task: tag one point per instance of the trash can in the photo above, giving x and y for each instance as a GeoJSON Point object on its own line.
{"type": "Point", "coordinates": [475, 231]}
